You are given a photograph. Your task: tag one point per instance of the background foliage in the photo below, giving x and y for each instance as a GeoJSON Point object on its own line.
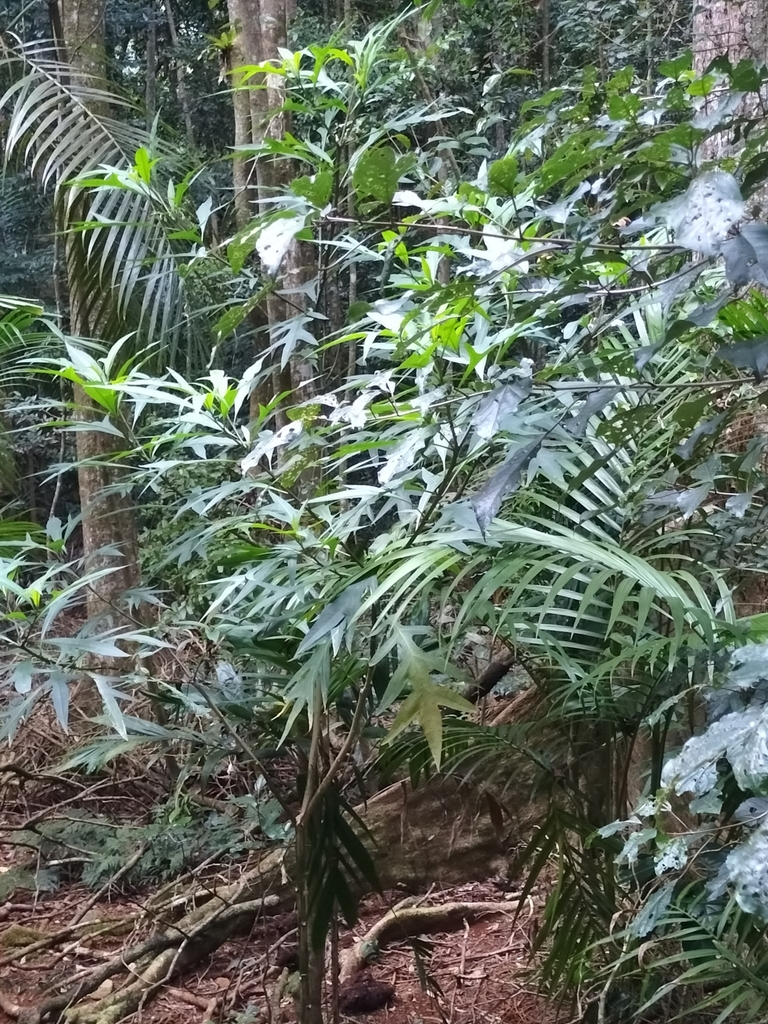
{"type": "Point", "coordinates": [531, 339]}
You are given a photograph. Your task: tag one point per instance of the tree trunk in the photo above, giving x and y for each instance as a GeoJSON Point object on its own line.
{"type": "Point", "coordinates": [298, 266]}
{"type": "Point", "coordinates": [151, 63]}
{"type": "Point", "coordinates": [82, 23]}
{"type": "Point", "coordinates": [737, 29]}
{"type": "Point", "coordinates": [110, 539]}
{"type": "Point", "coordinates": [275, 173]}
{"type": "Point", "coordinates": [249, 109]}
{"type": "Point", "coordinates": [545, 44]}
{"type": "Point", "coordinates": [181, 82]}
{"type": "Point", "coordinates": [241, 105]}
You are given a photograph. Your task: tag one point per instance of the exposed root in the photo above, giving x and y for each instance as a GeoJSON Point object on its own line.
{"type": "Point", "coordinates": [157, 960]}
{"type": "Point", "coordinates": [403, 823]}
{"type": "Point", "coordinates": [402, 922]}
{"type": "Point", "coordinates": [93, 928]}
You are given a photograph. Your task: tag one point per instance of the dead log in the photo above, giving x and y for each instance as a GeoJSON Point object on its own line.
{"type": "Point", "coordinates": [482, 685]}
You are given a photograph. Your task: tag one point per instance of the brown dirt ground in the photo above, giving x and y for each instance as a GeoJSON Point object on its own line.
{"type": "Point", "coordinates": [479, 974]}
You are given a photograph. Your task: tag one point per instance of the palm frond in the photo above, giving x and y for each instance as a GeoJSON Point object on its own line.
{"type": "Point", "coordinates": [62, 129]}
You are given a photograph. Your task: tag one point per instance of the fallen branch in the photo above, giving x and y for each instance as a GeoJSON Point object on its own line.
{"type": "Point", "coordinates": [485, 682]}
{"type": "Point", "coordinates": [403, 922]}
{"type": "Point", "coordinates": [95, 928]}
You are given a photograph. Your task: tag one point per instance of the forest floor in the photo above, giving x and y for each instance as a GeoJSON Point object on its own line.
{"type": "Point", "coordinates": [478, 973]}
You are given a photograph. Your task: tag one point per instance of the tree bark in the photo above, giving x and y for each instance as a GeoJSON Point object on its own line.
{"type": "Point", "coordinates": [241, 106]}
{"type": "Point", "coordinates": [545, 44]}
{"type": "Point", "coordinates": [82, 23]}
{"type": "Point", "coordinates": [738, 30]}
{"type": "Point", "coordinates": [110, 539]}
{"type": "Point", "coordinates": [248, 105]}
{"type": "Point", "coordinates": [151, 63]}
{"type": "Point", "coordinates": [249, 108]}
{"type": "Point", "coordinates": [181, 82]}
{"type": "Point", "coordinates": [298, 266]}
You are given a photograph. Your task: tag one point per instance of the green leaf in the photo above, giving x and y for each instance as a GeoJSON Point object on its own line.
{"type": "Point", "coordinates": [675, 68]}
{"type": "Point", "coordinates": [378, 171]}
{"type": "Point", "coordinates": [230, 320]}
{"type": "Point", "coordinates": [59, 684]}
{"type": "Point", "coordinates": [487, 502]}
{"type": "Point", "coordinates": [143, 165]}
{"type": "Point", "coordinates": [745, 77]}
{"type": "Point", "coordinates": [750, 355]}
{"type": "Point", "coordinates": [335, 617]}
{"type": "Point", "coordinates": [652, 911]}
{"type": "Point", "coordinates": [358, 852]}
{"type": "Point", "coordinates": [316, 190]}
{"type": "Point", "coordinates": [502, 176]}
{"type": "Point", "coordinates": [241, 246]}
{"type": "Point", "coordinates": [423, 706]}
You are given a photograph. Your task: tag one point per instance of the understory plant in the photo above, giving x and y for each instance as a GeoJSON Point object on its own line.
{"type": "Point", "coordinates": [521, 428]}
